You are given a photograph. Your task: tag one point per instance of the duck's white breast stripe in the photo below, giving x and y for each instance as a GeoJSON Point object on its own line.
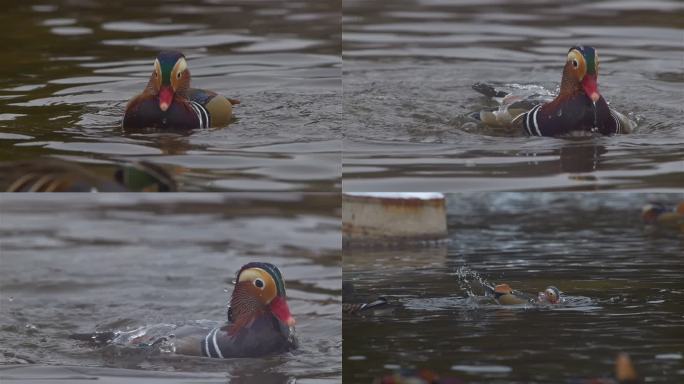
{"type": "Point", "coordinates": [527, 123]}
{"type": "Point", "coordinates": [197, 113]}
{"type": "Point", "coordinates": [202, 114]}
{"type": "Point", "coordinates": [618, 126]}
{"type": "Point", "coordinates": [531, 121]}
{"type": "Point", "coordinates": [206, 345]}
{"type": "Point", "coordinates": [534, 119]}
{"type": "Point", "coordinates": [213, 340]}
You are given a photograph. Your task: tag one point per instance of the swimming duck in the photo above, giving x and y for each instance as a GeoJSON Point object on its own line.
{"type": "Point", "coordinates": [168, 102]}
{"type": "Point", "coordinates": [624, 373]}
{"type": "Point", "coordinates": [259, 322]}
{"type": "Point", "coordinates": [351, 303]}
{"type": "Point", "coordinates": [54, 175]}
{"type": "Point", "coordinates": [503, 294]}
{"type": "Point", "coordinates": [355, 308]}
{"type": "Point", "coordinates": [658, 215]}
{"type": "Point", "coordinates": [578, 106]}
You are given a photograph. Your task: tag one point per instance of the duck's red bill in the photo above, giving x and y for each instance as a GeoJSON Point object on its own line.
{"type": "Point", "coordinates": [281, 310]}
{"type": "Point", "coordinates": [591, 87]}
{"type": "Point", "coordinates": [165, 98]}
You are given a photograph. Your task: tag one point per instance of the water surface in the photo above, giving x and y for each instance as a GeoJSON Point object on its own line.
{"type": "Point", "coordinates": [622, 286]}
{"type": "Point", "coordinates": [409, 66]}
{"type": "Point", "coordinates": [72, 264]}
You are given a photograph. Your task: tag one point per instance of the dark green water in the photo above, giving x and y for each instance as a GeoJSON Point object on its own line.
{"type": "Point", "coordinates": [623, 288]}
{"type": "Point", "coordinates": [71, 67]}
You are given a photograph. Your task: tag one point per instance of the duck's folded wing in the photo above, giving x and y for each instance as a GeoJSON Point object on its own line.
{"type": "Point", "coordinates": [624, 124]}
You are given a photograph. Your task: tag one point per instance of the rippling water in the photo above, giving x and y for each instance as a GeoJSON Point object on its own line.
{"type": "Point", "coordinates": [79, 264]}
{"type": "Point", "coordinates": [73, 65]}
{"type": "Point", "coordinates": [622, 284]}
{"type": "Point", "coordinates": [409, 66]}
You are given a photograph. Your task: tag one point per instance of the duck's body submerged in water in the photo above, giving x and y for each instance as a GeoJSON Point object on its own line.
{"type": "Point", "coordinates": [55, 175]}
{"type": "Point", "coordinates": [259, 322]}
{"type": "Point", "coordinates": [505, 295]}
{"type": "Point", "coordinates": [578, 107]}
{"type": "Point", "coordinates": [657, 215]}
{"type": "Point", "coordinates": [168, 102]}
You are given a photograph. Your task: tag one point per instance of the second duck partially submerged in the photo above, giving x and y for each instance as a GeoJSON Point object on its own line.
{"type": "Point", "coordinates": [505, 295]}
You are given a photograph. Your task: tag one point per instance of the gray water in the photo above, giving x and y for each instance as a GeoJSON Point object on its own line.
{"type": "Point", "coordinates": [622, 286]}
{"type": "Point", "coordinates": [77, 264]}
{"type": "Point", "coordinates": [73, 65]}
{"type": "Point", "coordinates": [409, 66]}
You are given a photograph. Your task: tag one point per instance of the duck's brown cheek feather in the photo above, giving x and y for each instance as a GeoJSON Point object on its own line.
{"type": "Point", "coordinates": [281, 310]}
{"type": "Point", "coordinates": [591, 87]}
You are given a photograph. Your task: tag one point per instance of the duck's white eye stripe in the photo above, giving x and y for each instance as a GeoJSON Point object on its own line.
{"type": "Point", "coordinates": [181, 65]}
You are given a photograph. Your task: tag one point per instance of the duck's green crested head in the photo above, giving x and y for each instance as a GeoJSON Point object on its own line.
{"type": "Point", "coordinates": [259, 288]}
{"type": "Point", "coordinates": [167, 61]}
{"type": "Point", "coordinates": [590, 58]}
{"type": "Point", "coordinates": [272, 270]}
{"type": "Point", "coordinates": [581, 68]}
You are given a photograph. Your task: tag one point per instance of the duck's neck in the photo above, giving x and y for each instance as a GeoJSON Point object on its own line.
{"type": "Point", "coordinates": [569, 84]}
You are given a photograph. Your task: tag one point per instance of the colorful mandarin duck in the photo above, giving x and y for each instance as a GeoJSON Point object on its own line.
{"type": "Point", "coordinates": [658, 215]}
{"type": "Point", "coordinates": [356, 308]}
{"type": "Point", "coordinates": [504, 295]}
{"type": "Point", "coordinates": [352, 305]}
{"type": "Point", "coordinates": [55, 175]}
{"type": "Point", "coordinates": [168, 102]}
{"type": "Point", "coordinates": [624, 373]}
{"type": "Point", "coordinates": [578, 107]}
{"type": "Point", "coordinates": [259, 322]}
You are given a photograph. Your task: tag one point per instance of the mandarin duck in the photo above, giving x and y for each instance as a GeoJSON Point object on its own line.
{"type": "Point", "coordinates": [56, 175]}
{"type": "Point", "coordinates": [504, 295]}
{"type": "Point", "coordinates": [624, 373]}
{"type": "Point", "coordinates": [658, 215]}
{"type": "Point", "coordinates": [578, 107]}
{"type": "Point", "coordinates": [259, 323]}
{"type": "Point", "coordinates": [168, 102]}
{"type": "Point", "coordinates": [351, 304]}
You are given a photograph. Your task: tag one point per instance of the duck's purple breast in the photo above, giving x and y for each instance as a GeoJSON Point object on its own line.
{"type": "Point", "coordinates": [572, 114]}
{"type": "Point", "coordinates": [146, 113]}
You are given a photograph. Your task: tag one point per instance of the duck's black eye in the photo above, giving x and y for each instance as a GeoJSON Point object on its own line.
{"type": "Point", "coordinates": [259, 283]}
{"type": "Point", "coordinates": [179, 75]}
{"type": "Point", "coordinates": [575, 63]}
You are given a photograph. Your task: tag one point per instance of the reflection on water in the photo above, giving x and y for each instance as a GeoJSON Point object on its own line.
{"type": "Point", "coordinates": [73, 67]}
{"type": "Point", "coordinates": [622, 287]}
{"type": "Point", "coordinates": [409, 68]}
{"type": "Point", "coordinates": [121, 262]}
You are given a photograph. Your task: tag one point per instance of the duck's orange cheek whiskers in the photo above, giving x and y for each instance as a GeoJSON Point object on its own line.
{"type": "Point", "coordinates": [165, 98]}
{"type": "Point", "coordinates": [590, 87]}
{"type": "Point", "coordinates": [281, 310]}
